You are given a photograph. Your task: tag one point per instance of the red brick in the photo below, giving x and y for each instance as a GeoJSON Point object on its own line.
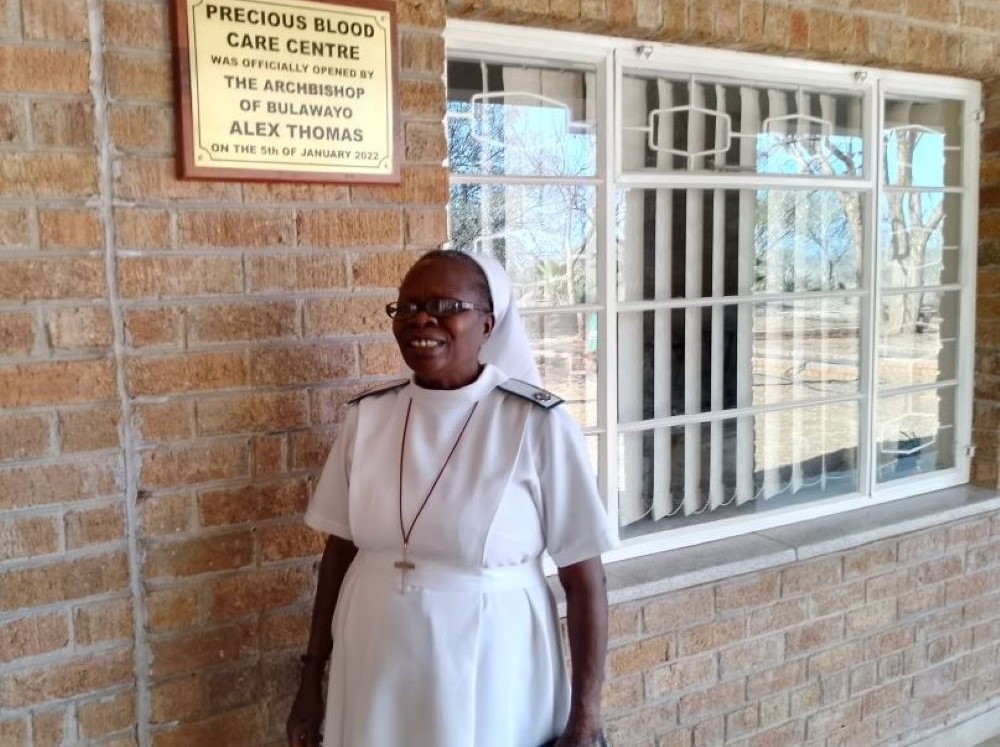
{"type": "Point", "coordinates": [38, 485]}
{"type": "Point", "coordinates": [94, 526]}
{"type": "Point", "coordinates": [33, 635]}
{"type": "Point", "coordinates": [350, 228]}
{"type": "Point", "coordinates": [142, 127]}
{"type": "Point", "coordinates": [23, 436]}
{"type": "Point", "coordinates": [810, 575]}
{"type": "Point", "coordinates": [154, 327]}
{"type": "Point", "coordinates": [755, 591]}
{"type": "Point", "coordinates": [640, 655]}
{"type": "Point", "coordinates": [383, 270]}
{"type": "Point", "coordinates": [252, 503]}
{"type": "Point", "coordinates": [70, 229]}
{"type": "Point", "coordinates": [229, 229]}
{"type": "Point", "coordinates": [259, 591]}
{"type": "Point", "coordinates": [309, 449]}
{"type": "Point", "coordinates": [138, 25]}
{"type": "Point", "coordinates": [711, 635]}
{"type": "Point", "coordinates": [142, 229]}
{"type": "Point", "coordinates": [421, 14]}
{"type": "Point", "coordinates": [173, 466]}
{"type": "Point", "coordinates": [422, 98]}
{"type": "Point", "coordinates": [170, 421]}
{"type": "Point", "coordinates": [103, 622]}
{"type": "Point", "coordinates": [167, 514]}
{"type": "Point", "coordinates": [420, 185]}
{"type": "Point", "coordinates": [680, 676]}
{"type": "Point", "coordinates": [777, 679]}
{"type": "Point", "coordinates": [80, 327]}
{"type": "Point", "coordinates": [243, 726]}
{"type": "Point", "coordinates": [13, 732]}
{"type": "Point", "coordinates": [55, 20]}
{"type": "Point", "coordinates": [172, 609]}
{"type": "Point", "coordinates": [722, 698]}
{"type": "Point", "coordinates": [145, 179]}
{"type": "Point", "coordinates": [252, 412]}
{"type": "Point", "coordinates": [269, 455]}
{"type": "Point", "coordinates": [70, 679]}
{"type": "Point", "coordinates": [287, 629]}
{"type": "Point", "coordinates": [42, 174]}
{"type": "Point", "coordinates": [160, 277]}
{"type": "Point", "coordinates": [177, 700]}
{"type": "Point", "coordinates": [426, 227]}
{"type": "Point", "coordinates": [381, 358]}
{"type": "Point", "coordinates": [186, 373]}
{"type": "Point", "coordinates": [355, 315]}
{"type": "Point", "coordinates": [17, 333]}
{"type": "Point", "coordinates": [63, 580]}
{"type": "Point", "coordinates": [306, 194]}
{"type": "Point", "coordinates": [202, 555]}
{"type": "Point", "coordinates": [422, 53]}
{"type": "Point", "coordinates": [28, 536]}
{"type": "Point", "coordinates": [25, 69]}
{"type": "Point", "coordinates": [106, 716]}
{"type": "Point", "coordinates": [228, 322]}
{"type": "Point", "coordinates": [302, 364]}
{"type": "Point", "coordinates": [12, 122]}
{"type": "Point", "coordinates": [139, 76]}
{"type": "Point", "coordinates": [48, 728]}
{"type": "Point", "coordinates": [37, 279]}
{"type": "Point", "coordinates": [67, 382]}
{"type": "Point", "coordinates": [328, 405]}
{"type": "Point", "coordinates": [89, 430]}
{"type": "Point", "coordinates": [296, 272]}
{"type": "Point", "coordinates": [813, 635]}
{"type": "Point", "coordinates": [205, 647]}
{"type": "Point", "coordinates": [63, 124]}
{"type": "Point", "coordinates": [14, 231]}
{"type": "Point", "coordinates": [290, 541]}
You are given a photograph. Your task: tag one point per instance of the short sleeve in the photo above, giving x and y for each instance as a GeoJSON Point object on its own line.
{"type": "Point", "coordinates": [575, 521]}
{"type": "Point", "coordinates": [328, 508]}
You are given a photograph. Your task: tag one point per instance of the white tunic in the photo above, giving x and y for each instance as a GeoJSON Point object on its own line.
{"type": "Point", "coordinates": [469, 654]}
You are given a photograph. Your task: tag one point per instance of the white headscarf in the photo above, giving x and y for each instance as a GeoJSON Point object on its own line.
{"type": "Point", "coordinates": [508, 348]}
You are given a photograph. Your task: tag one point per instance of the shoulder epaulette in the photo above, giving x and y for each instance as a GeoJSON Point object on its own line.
{"type": "Point", "coordinates": [534, 394]}
{"type": "Point", "coordinates": [387, 386]}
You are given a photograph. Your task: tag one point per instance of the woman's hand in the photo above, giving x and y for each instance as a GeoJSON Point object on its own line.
{"type": "Point", "coordinates": [581, 734]}
{"type": "Point", "coordinates": [306, 716]}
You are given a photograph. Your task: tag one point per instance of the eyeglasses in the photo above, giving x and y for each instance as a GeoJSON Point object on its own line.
{"type": "Point", "coordinates": [435, 307]}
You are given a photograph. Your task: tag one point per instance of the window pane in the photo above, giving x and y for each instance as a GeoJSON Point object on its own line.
{"type": "Point", "coordinates": [918, 338]}
{"type": "Point", "coordinates": [565, 347]}
{"type": "Point", "coordinates": [545, 237]}
{"type": "Point", "coordinates": [806, 349]}
{"type": "Point", "coordinates": [916, 433]}
{"type": "Point", "coordinates": [686, 361]}
{"type": "Point", "coordinates": [676, 124]}
{"type": "Point", "coordinates": [691, 474]}
{"type": "Point", "coordinates": [923, 142]}
{"type": "Point", "coordinates": [919, 235]}
{"type": "Point", "coordinates": [807, 240]}
{"type": "Point", "coordinates": [689, 243]}
{"type": "Point", "coordinates": [520, 120]}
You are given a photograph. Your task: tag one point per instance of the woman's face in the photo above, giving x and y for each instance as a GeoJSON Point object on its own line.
{"type": "Point", "coordinates": [442, 352]}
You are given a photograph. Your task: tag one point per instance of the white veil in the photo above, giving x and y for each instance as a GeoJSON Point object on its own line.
{"type": "Point", "coordinates": [508, 348]}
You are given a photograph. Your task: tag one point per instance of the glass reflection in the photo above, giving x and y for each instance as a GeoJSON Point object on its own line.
{"type": "Point", "coordinates": [919, 236]}
{"type": "Point", "coordinates": [918, 338]}
{"type": "Point", "coordinates": [544, 235]}
{"type": "Point", "coordinates": [916, 434]}
{"type": "Point", "coordinates": [565, 347]}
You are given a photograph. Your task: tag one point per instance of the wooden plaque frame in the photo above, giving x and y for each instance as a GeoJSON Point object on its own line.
{"type": "Point", "coordinates": [187, 168]}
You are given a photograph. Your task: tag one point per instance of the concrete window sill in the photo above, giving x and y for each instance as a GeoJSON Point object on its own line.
{"type": "Point", "coordinates": [659, 573]}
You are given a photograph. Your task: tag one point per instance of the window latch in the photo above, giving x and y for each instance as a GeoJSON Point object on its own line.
{"type": "Point", "coordinates": [980, 116]}
{"type": "Point", "coordinates": [970, 450]}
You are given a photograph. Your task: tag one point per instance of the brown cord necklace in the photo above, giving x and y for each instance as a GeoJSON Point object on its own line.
{"type": "Point", "coordinates": [406, 564]}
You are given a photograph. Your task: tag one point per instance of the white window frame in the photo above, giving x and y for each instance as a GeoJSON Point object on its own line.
{"type": "Point", "coordinates": [610, 57]}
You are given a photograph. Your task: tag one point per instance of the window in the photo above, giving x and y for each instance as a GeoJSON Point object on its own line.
{"type": "Point", "coordinates": [751, 280]}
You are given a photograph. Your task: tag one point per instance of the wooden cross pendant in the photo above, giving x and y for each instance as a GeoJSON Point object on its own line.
{"type": "Point", "coordinates": [404, 565]}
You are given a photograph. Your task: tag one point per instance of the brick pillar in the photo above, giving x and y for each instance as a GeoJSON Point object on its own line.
{"type": "Point", "coordinates": [986, 419]}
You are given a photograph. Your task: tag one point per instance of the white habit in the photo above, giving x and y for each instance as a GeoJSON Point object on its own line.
{"type": "Point", "coordinates": [469, 653]}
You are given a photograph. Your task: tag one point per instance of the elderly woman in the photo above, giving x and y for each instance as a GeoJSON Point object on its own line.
{"type": "Point", "coordinates": [440, 497]}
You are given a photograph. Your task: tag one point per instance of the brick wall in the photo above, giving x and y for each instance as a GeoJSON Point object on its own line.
{"type": "Point", "coordinates": [174, 359]}
{"type": "Point", "coordinates": [865, 647]}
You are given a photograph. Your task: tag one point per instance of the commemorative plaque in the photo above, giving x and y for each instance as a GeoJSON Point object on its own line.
{"type": "Point", "coordinates": [287, 90]}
